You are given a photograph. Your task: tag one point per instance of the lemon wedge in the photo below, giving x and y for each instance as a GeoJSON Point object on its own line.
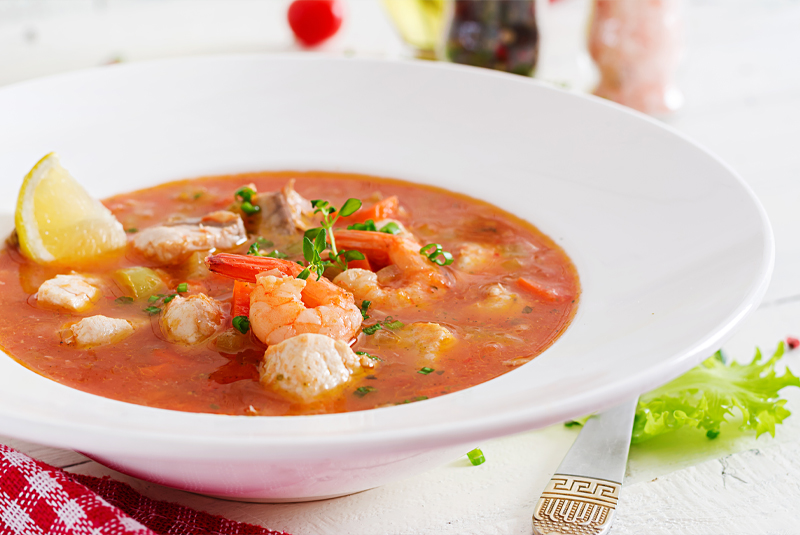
{"type": "Point", "coordinates": [58, 222]}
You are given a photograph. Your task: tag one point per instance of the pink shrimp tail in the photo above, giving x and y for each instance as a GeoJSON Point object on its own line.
{"type": "Point", "coordinates": [245, 268]}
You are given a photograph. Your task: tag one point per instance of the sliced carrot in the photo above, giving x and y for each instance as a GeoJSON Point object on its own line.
{"type": "Point", "coordinates": [380, 210]}
{"type": "Point", "coordinates": [548, 294]}
{"type": "Point", "coordinates": [240, 303]}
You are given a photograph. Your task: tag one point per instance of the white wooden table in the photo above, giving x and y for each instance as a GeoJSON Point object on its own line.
{"type": "Point", "coordinates": [741, 79]}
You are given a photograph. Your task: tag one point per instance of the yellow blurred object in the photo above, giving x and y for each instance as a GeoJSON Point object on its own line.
{"type": "Point", "coordinates": [420, 23]}
{"type": "Point", "coordinates": [58, 222]}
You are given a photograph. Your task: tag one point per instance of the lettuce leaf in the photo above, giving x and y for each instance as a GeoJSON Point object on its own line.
{"type": "Point", "coordinates": [706, 395]}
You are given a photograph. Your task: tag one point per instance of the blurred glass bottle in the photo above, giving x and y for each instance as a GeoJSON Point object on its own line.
{"type": "Point", "coordinates": [496, 34]}
{"type": "Point", "coordinates": [637, 46]}
{"type": "Point", "coordinates": [420, 23]}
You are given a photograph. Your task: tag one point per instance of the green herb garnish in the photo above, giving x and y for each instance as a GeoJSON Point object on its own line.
{"type": "Point", "coordinates": [152, 310]}
{"type": "Point", "coordinates": [476, 457]}
{"type": "Point", "coordinates": [241, 324]}
{"type": "Point", "coordinates": [393, 324]}
{"type": "Point", "coordinates": [245, 194]}
{"type": "Point", "coordinates": [316, 240]}
{"type": "Point", "coordinates": [276, 254]}
{"type": "Point", "coordinates": [362, 391]}
{"type": "Point", "coordinates": [371, 329]}
{"type": "Point", "coordinates": [153, 299]}
{"type": "Point", "coordinates": [249, 208]}
{"type": "Point", "coordinates": [390, 228]}
{"type": "Point", "coordinates": [368, 225]}
{"type": "Point", "coordinates": [389, 323]}
{"type": "Point", "coordinates": [169, 298]}
{"type": "Point", "coordinates": [425, 370]}
{"type": "Point", "coordinates": [131, 230]}
{"type": "Point", "coordinates": [124, 300]}
{"type": "Point", "coordinates": [365, 354]}
{"type": "Point", "coordinates": [435, 253]}
{"type": "Point", "coordinates": [364, 306]}
{"type": "Point", "coordinates": [182, 288]}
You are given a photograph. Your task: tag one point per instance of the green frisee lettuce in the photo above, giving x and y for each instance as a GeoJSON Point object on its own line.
{"type": "Point", "coordinates": [706, 395]}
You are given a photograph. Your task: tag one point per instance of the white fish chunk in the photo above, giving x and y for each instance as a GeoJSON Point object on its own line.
{"type": "Point", "coordinates": [96, 331]}
{"type": "Point", "coordinates": [308, 365]}
{"type": "Point", "coordinates": [474, 257]}
{"type": "Point", "coordinates": [283, 213]}
{"type": "Point", "coordinates": [191, 320]}
{"type": "Point", "coordinates": [73, 292]}
{"type": "Point", "coordinates": [430, 340]}
{"type": "Point", "coordinates": [497, 297]}
{"type": "Point", "coordinates": [172, 243]}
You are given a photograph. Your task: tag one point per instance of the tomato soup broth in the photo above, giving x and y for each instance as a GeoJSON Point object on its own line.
{"type": "Point", "coordinates": [502, 310]}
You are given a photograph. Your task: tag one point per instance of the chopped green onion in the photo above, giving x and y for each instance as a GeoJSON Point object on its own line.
{"type": "Point", "coordinates": [476, 457]}
{"type": "Point", "coordinates": [131, 230]}
{"type": "Point", "coordinates": [153, 299]}
{"type": "Point", "coordinates": [241, 324]}
{"type": "Point", "coordinates": [527, 310]}
{"type": "Point", "coordinates": [198, 195]}
{"type": "Point", "coordinates": [365, 354]}
{"type": "Point", "coordinates": [249, 208]}
{"type": "Point", "coordinates": [182, 288]}
{"type": "Point", "coordinates": [362, 391]}
{"type": "Point", "coordinates": [124, 300]}
{"type": "Point", "coordinates": [364, 306]}
{"type": "Point", "coordinates": [434, 253]}
{"type": "Point", "coordinates": [390, 228]}
{"type": "Point", "coordinates": [245, 194]}
{"type": "Point", "coordinates": [393, 324]}
{"type": "Point", "coordinates": [371, 329]}
{"type": "Point", "coordinates": [425, 370]}
{"type": "Point", "coordinates": [169, 298]}
{"type": "Point", "coordinates": [152, 310]}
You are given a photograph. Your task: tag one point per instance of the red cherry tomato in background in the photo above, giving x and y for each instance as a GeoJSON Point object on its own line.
{"type": "Point", "coordinates": [313, 21]}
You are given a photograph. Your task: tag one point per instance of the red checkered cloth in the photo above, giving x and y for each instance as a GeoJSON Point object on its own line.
{"type": "Point", "coordinates": [36, 498]}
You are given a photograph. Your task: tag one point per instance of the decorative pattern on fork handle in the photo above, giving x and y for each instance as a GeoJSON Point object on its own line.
{"type": "Point", "coordinates": [573, 505]}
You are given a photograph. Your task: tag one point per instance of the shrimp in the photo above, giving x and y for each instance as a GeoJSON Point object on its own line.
{"type": "Point", "coordinates": [283, 306]}
{"type": "Point", "coordinates": [409, 279]}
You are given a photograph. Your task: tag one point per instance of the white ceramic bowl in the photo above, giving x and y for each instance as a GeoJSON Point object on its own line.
{"type": "Point", "coordinates": [672, 248]}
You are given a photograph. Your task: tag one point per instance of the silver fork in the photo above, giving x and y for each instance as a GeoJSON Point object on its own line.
{"type": "Point", "coordinates": [582, 495]}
